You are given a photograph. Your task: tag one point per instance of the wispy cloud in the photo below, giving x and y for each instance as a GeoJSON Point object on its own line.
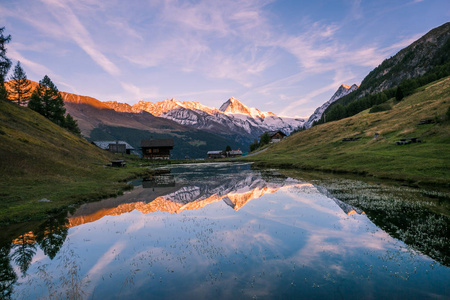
{"type": "Point", "coordinates": [339, 78]}
{"type": "Point", "coordinates": [165, 48]}
{"type": "Point", "coordinates": [75, 29]}
{"type": "Point", "coordinates": [33, 66]}
{"type": "Point", "coordinates": [38, 69]}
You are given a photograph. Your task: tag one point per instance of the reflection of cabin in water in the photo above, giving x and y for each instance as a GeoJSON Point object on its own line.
{"type": "Point", "coordinates": [157, 149]}
{"type": "Point", "coordinates": [114, 146]}
{"type": "Point", "coordinates": [158, 181]}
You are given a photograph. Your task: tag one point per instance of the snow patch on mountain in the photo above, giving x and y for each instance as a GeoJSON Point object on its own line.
{"type": "Point", "coordinates": [342, 91]}
{"type": "Point", "coordinates": [233, 117]}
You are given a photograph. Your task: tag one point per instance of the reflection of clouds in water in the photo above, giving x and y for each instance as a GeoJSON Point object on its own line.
{"type": "Point", "coordinates": [293, 234]}
{"type": "Point", "coordinates": [95, 273]}
{"type": "Point", "coordinates": [136, 225]}
{"type": "Point", "coordinates": [335, 233]}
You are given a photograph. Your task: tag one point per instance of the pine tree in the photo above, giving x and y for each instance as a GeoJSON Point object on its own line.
{"type": "Point", "coordinates": [20, 86]}
{"type": "Point", "coordinates": [254, 145]}
{"type": "Point", "coordinates": [47, 101]}
{"type": "Point", "coordinates": [399, 94]}
{"type": "Point", "coordinates": [265, 139]}
{"type": "Point", "coordinates": [72, 125]}
{"type": "Point", "coordinates": [5, 63]}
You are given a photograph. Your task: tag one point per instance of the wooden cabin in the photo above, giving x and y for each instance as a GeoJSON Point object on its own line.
{"type": "Point", "coordinates": [216, 154]}
{"type": "Point", "coordinates": [114, 146]}
{"type": "Point", "coordinates": [156, 148]}
{"type": "Point", "coordinates": [234, 153]}
{"type": "Point", "coordinates": [276, 136]}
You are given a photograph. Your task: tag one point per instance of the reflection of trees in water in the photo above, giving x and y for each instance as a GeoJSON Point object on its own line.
{"type": "Point", "coordinates": [23, 252]}
{"type": "Point", "coordinates": [7, 275]}
{"type": "Point", "coordinates": [50, 237]}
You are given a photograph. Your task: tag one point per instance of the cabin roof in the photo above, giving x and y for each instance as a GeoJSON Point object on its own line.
{"type": "Point", "coordinates": [105, 144]}
{"type": "Point", "coordinates": [272, 133]}
{"type": "Point", "coordinates": [233, 152]}
{"type": "Point", "coordinates": [215, 152]}
{"type": "Point", "coordinates": [157, 143]}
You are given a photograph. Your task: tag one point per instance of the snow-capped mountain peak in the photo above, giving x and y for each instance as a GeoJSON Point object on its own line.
{"type": "Point", "coordinates": [342, 91]}
{"type": "Point", "coordinates": [233, 106]}
{"type": "Point", "coordinates": [233, 117]}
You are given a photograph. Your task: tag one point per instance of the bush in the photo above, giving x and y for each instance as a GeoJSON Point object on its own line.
{"type": "Point", "coordinates": [380, 107]}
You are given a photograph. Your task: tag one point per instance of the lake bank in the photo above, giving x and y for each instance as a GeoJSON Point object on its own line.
{"type": "Point", "coordinates": [28, 197]}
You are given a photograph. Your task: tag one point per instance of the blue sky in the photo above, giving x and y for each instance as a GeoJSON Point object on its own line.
{"type": "Point", "coordinates": [285, 56]}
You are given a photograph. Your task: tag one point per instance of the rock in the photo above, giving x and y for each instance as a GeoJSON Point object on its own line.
{"type": "Point", "coordinates": [44, 200]}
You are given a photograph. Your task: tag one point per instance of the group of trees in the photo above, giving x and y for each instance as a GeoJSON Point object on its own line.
{"type": "Point", "coordinates": [44, 99]}
{"type": "Point", "coordinates": [264, 140]}
{"type": "Point", "coordinates": [49, 236]}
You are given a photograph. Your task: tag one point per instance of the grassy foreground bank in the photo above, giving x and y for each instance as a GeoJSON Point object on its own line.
{"type": "Point", "coordinates": [39, 159]}
{"type": "Point", "coordinates": [373, 150]}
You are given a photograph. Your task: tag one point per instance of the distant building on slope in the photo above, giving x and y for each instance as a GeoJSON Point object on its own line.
{"type": "Point", "coordinates": [234, 153]}
{"type": "Point", "coordinates": [276, 136]}
{"type": "Point", "coordinates": [114, 146]}
{"type": "Point", "coordinates": [216, 154]}
{"type": "Point", "coordinates": [156, 148]}
{"type": "Point", "coordinates": [223, 154]}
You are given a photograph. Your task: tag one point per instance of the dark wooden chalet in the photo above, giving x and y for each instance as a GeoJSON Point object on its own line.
{"type": "Point", "coordinates": [156, 149]}
{"type": "Point", "coordinates": [276, 136]}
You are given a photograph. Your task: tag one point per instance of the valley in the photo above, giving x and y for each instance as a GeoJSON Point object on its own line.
{"type": "Point", "coordinates": [224, 149]}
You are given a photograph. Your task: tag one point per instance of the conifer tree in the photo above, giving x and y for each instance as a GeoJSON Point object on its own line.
{"type": "Point", "coordinates": [47, 101]}
{"type": "Point", "coordinates": [72, 125]}
{"type": "Point", "coordinates": [20, 86]}
{"type": "Point", "coordinates": [5, 63]}
{"type": "Point", "coordinates": [399, 94]}
{"type": "Point", "coordinates": [265, 139]}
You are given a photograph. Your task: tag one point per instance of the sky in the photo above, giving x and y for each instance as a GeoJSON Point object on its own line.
{"type": "Point", "coordinates": [283, 56]}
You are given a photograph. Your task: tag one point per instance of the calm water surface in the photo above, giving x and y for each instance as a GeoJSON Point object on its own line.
{"type": "Point", "coordinates": [220, 231]}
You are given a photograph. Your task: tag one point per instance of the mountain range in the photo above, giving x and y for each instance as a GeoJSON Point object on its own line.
{"type": "Point", "coordinates": [232, 117]}
{"type": "Point", "coordinates": [196, 128]}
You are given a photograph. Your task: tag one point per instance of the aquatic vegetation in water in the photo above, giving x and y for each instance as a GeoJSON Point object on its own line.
{"type": "Point", "coordinates": [402, 212]}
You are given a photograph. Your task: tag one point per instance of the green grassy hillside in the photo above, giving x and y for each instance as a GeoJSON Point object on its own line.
{"type": "Point", "coordinates": [39, 159]}
{"type": "Point", "coordinates": [322, 147]}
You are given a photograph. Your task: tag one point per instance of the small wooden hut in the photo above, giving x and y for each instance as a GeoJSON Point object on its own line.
{"type": "Point", "coordinates": [157, 148]}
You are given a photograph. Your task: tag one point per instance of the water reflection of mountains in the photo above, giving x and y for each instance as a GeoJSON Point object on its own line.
{"type": "Point", "coordinates": [186, 188]}
{"type": "Point", "coordinates": [174, 193]}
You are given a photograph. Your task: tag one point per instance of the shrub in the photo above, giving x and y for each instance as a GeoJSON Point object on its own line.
{"type": "Point", "coordinates": [380, 107]}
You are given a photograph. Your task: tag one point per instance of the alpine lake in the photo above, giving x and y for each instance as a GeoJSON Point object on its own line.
{"type": "Point", "coordinates": [230, 231]}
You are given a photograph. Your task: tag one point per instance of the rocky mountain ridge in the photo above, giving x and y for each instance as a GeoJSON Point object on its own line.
{"type": "Point", "coordinates": [430, 50]}
{"type": "Point", "coordinates": [233, 117]}
{"type": "Point", "coordinates": [342, 91]}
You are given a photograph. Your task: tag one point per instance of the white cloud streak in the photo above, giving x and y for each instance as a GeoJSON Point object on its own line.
{"type": "Point", "coordinates": [75, 29]}
{"type": "Point", "coordinates": [236, 46]}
